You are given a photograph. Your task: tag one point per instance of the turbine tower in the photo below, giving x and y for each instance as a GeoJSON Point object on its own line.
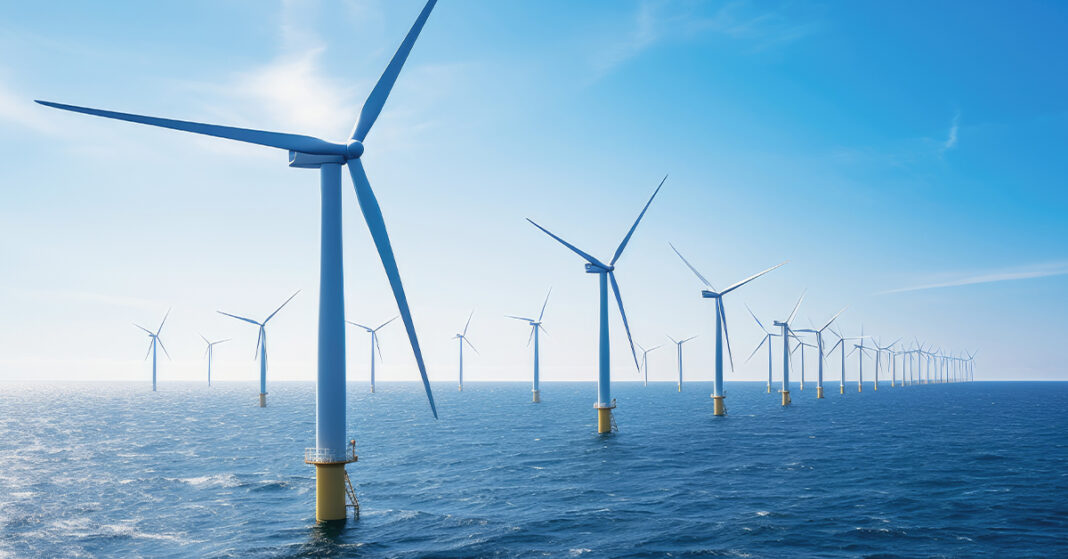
{"type": "Point", "coordinates": [261, 345]}
{"type": "Point", "coordinates": [841, 342]}
{"type": "Point", "coordinates": [819, 348]}
{"type": "Point", "coordinates": [860, 359]}
{"type": "Point", "coordinates": [786, 333]}
{"type": "Point", "coordinates": [155, 340]}
{"type": "Point", "coordinates": [329, 455]}
{"type": "Point", "coordinates": [374, 344]}
{"type": "Point", "coordinates": [461, 339]}
{"type": "Point", "coordinates": [535, 326]}
{"type": "Point", "coordinates": [645, 361]}
{"type": "Point", "coordinates": [209, 352]}
{"type": "Point", "coordinates": [767, 338]}
{"type": "Point", "coordinates": [607, 273]}
{"type": "Point", "coordinates": [802, 344]}
{"type": "Point", "coordinates": [718, 406]}
{"type": "Point", "coordinates": [678, 348]}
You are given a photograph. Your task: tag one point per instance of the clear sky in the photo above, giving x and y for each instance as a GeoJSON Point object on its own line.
{"type": "Point", "coordinates": [907, 159]}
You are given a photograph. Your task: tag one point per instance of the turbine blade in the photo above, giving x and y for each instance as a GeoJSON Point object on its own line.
{"type": "Point", "coordinates": [573, 248]}
{"type": "Point", "coordinates": [280, 307]}
{"type": "Point", "coordinates": [470, 344]}
{"type": "Point", "coordinates": [828, 324]}
{"type": "Point", "coordinates": [468, 322]}
{"type": "Point", "coordinates": [531, 336]}
{"type": "Point", "coordinates": [726, 333]}
{"type": "Point", "coordinates": [149, 352]}
{"type": "Point", "coordinates": [292, 142]}
{"type": "Point", "coordinates": [378, 346]}
{"type": "Point", "coordinates": [542, 313]}
{"type": "Point", "coordinates": [372, 214]}
{"type": "Point", "coordinates": [249, 320]}
{"type": "Point", "coordinates": [147, 331]}
{"type": "Point", "coordinates": [623, 314]}
{"type": "Point", "coordinates": [752, 314]}
{"type": "Point", "coordinates": [368, 328]}
{"type": "Point", "coordinates": [692, 269]}
{"type": "Point", "coordinates": [164, 348]}
{"type": "Point", "coordinates": [798, 305]}
{"type": "Point", "coordinates": [623, 245]}
{"type": "Point", "coordinates": [203, 338]}
{"type": "Point", "coordinates": [377, 99]}
{"type": "Point", "coordinates": [383, 325]}
{"type": "Point", "coordinates": [162, 322]}
{"type": "Point", "coordinates": [760, 345]}
{"type": "Point", "coordinates": [523, 318]}
{"type": "Point", "coordinates": [259, 340]}
{"type": "Point", "coordinates": [750, 278]}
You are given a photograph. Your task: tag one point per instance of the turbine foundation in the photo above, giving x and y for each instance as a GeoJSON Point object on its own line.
{"type": "Point", "coordinates": [841, 389]}
{"type": "Point", "coordinates": [372, 389]}
{"type": "Point", "coordinates": [786, 397]}
{"type": "Point", "coordinates": [537, 396]}
{"type": "Point", "coordinates": [769, 388]}
{"type": "Point", "coordinates": [819, 392]}
{"type": "Point", "coordinates": [605, 423]}
{"type": "Point", "coordinates": [330, 492]}
{"type": "Point", "coordinates": [263, 400]}
{"type": "Point", "coordinates": [718, 407]}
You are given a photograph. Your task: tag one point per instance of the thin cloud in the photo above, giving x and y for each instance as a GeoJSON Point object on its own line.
{"type": "Point", "coordinates": [1040, 271]}
{"type": "Point", "coordinates": [951, 139]}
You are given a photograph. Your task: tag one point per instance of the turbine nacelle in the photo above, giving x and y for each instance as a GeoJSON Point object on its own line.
{"type": "Point", "coordinates": [710, 294]}
{"type": "Point", "coordinates": [592, 268]}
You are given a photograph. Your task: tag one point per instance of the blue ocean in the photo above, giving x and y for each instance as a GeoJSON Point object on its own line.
{"type": "Point", "coordinates": [959, 470]}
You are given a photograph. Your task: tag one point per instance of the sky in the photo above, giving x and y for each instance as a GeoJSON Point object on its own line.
{"type": "Point", "coordinates": [905, 159]}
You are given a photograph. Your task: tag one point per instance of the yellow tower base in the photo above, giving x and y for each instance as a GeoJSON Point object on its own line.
{"type": "Point", "coordinates": [537, 397]}
{"type": "Point", "coordinates": [769, 388]}
{"type": "Point", "coordinates": [786, 397]}
{"type": "Point", "coordinates": [263, 400]}
{"type": "Point", "coordinates": [718, 407]}
{"type": "Point", "coordinates": [680, 387]}
{"type": "Point", "coordinates": [875, 387]}
{"type": "Point", "coordinates": [604, 419]}
{"type": "Point", "coordinates": [802, 387]}
{"type": "Point", "coordinates": [819, 392]}
{"type": "Point", "coordinates": [860, 388]}
{"type": "Point", "coordinates": [330, 492]}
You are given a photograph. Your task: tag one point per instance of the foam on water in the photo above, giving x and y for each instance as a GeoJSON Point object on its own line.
{"type": "Point", "coordinates": [947, 470]}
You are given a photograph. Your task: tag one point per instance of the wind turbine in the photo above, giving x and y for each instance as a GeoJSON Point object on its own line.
{"type": "Point", "coordinates": [535, 326]}
{"type": "Point", "coordinates": [802, 344]}
{"type": "Point", "coordinates": [261, 345]}
{"type": "Point", "coordinates": [645, 361]}
{"type": "Point", "coordinates": [606, 273]}
{"type": "Point", "coordinates": [841, 342]}
{"type": "Point", "coordinates": [878, 357]}
{"type": "Point", "coordinates": [329, 455]}
{"type": "Point", "coordinates": [767, 338]}
{"type": "Point", "coordinates": [860, 359]}
{"type": "Point", "coordinates": [374, 344]}
{"type": "Point", "coordinates": [785, 333]}
{"type": "Point", "coordinates": [210, 351]}
{"type": "Point", "coordinates": [819, 348]}
{"type": "Point", "coordinates": [461, 339]}
{"type": "Point", "coordinates": [155, 340]}
{"type": "Point", "coordinates": [678, 347]}
{"type": "Point", "coordinates": [718, 406]}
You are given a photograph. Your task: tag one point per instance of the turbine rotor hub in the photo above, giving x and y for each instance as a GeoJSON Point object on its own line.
{"type": "Point", "coordinates": [354, 149]}
{"type": "Point", "coordinates": [595, 269]}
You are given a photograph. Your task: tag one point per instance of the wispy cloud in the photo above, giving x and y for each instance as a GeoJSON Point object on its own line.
{"type": "Point", "coordinates": [655, 20]}
{"type": "Point", "coordinates": [991, 276]}
{"type": "Point", "coordinates": [951, 138]}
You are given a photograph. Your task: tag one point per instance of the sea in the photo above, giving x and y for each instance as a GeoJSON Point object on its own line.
{"type": "Point", "coordinates": [974, 469]}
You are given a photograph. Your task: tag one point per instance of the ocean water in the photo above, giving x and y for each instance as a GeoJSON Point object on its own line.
{"type": "Point", "coordinates": [964, 470]}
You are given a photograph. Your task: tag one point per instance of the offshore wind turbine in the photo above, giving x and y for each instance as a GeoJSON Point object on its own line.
{"type": "Point", "coordinates": [328, 456]}
{"type": "Point", "coordinates": [154, 341]}
{"type": "Point", "coordinates": [802, 344]}
{"type": "Point", "coordinates": [786, 333]}
{"type": "Point", "coordinates": [461, 338]}
{"type": "Point", "coordinates": [607, 273]}
{"type": "Point", "coordinates": [860, 359]}
{"type": "Point", "coordinates": [678, 347]}
{"type": "Point", "coordinates": [878, 357]}
{"type": "Point", "coordinates": [766, 339]}
{"type": "Point", "coordinates": [645, 361]}
{"type": "Point", "coordinates": [374, 344]}
{"type": "Point", "coordinates": [718, 406]}
{"type": "Point", "coordinates": [209, 352]}
{"type": "Point", "coordinates": [261, 345]}
{"type": "Point", "coordinates": [842, 342]}
{"type": "Point", "coordinates": [819, 348]}
{"type": "Point", "coordinates": [535, 326]}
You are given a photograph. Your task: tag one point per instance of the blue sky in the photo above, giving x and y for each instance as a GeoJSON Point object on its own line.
{"type": "Point", "coordinates": [907, 160]}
